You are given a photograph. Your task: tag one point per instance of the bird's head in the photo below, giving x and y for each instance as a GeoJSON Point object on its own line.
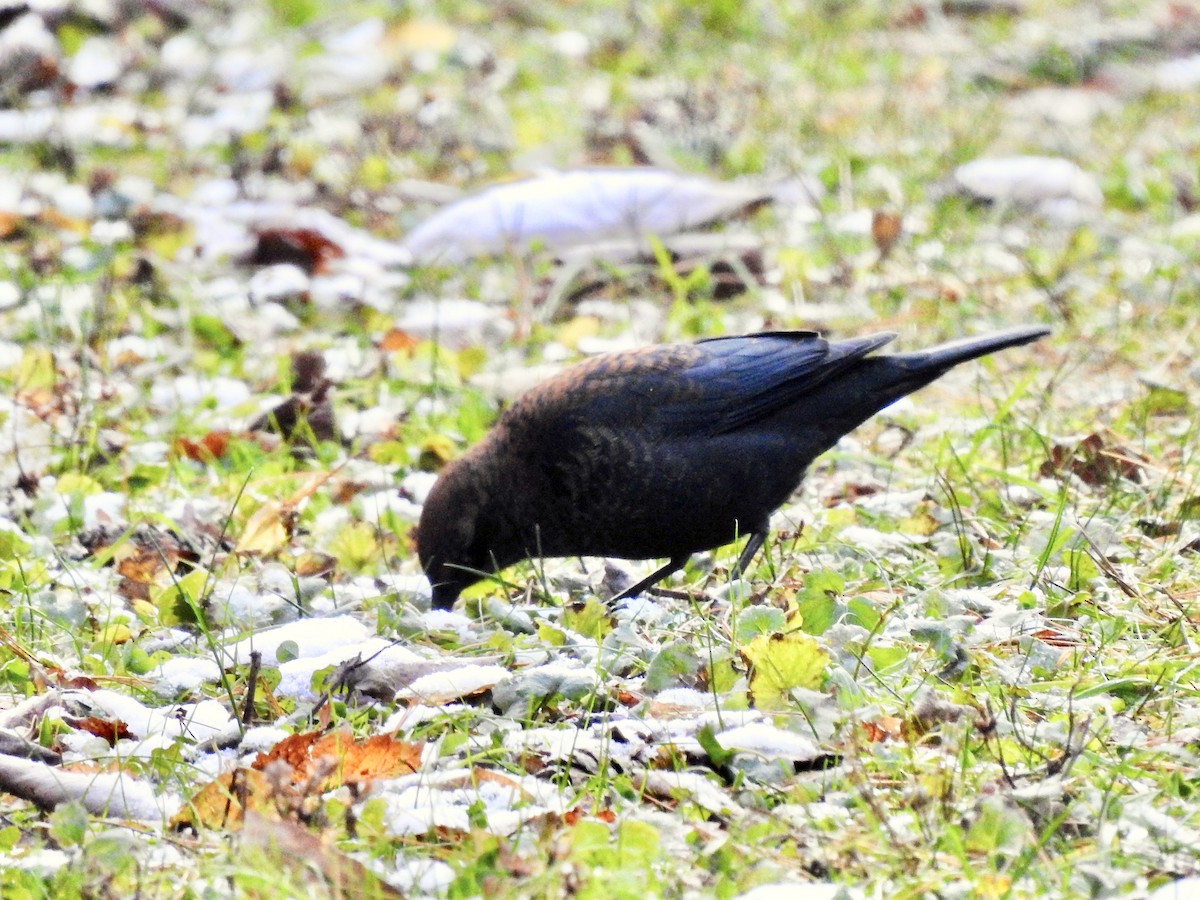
{"type": "Point", "coordinates": [460, 541]}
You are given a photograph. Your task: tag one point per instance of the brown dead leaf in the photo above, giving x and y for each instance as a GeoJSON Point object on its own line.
{"type": "Point", "coordinates": [111, 730]}
{"type": "Point", "coordinates": [573, 816]}
{"type": "Point", "coordinates": [10, 225]}
{"type": "Point", "coordinates": [313, 564]}
{"type": "Point", "coordinates": [379, 756]}
{"type": "Point", "coordinates": [1056, 638]}
{"type": "Point", "coordinates": [293, 750]}
{"type": "Point", "coordinates": [139, 564]}
{"type": "Point", "coordinates": [885, 231]}
{"type": "Point", "coordinates": [660, 710]}
{"type": "Point", "coordinates": [304, 247]}
{"type": "Point", "coordinates": [1097, 460]}
{"type": "Point", "coordinates": [77, 682]}
{"type": "Point", "coordinates": [532, 763]}
{"type": "Point", "coordinates": [849, 493]}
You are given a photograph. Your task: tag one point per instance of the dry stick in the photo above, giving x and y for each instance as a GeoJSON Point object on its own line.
{"type": "Point", "coordinates": [255, 665]}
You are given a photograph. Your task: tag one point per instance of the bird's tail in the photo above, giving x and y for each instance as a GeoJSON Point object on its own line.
{"type": "Point", "coordinates": [882, 380]}
{"type": "Point", "coordinates": [936, 360]}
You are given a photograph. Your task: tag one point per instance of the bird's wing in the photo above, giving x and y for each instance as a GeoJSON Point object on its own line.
{"type": "Point", "coordinates": [708, 388]}
{"type": "Point", "coordinates": [741, 380]}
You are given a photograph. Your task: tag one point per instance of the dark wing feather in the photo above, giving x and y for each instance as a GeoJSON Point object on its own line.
{"type": "Point", "coordinates": [742, 380]}
{"type": "Point", "coordinates": [712, 387]}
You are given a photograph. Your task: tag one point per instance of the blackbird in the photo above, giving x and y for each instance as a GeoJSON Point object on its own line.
{"type": "Point", "coordinates": [664, 451]}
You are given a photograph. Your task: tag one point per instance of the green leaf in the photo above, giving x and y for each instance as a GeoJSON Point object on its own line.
{"type": "Point", "coordinates": [294, 13]}
{"type": "Point", "coordinates": [637, 844]}
{"type": "Point", "coordinates": [885, 658]}
{"type": "Point", "coordinates": [1083, 568]}
{"type": "Point", "coordinates": [592, 620]}
{"type": "Point", "coordinates": [758, 620]}
{"type": "Point", "coordinates": [819, 600]}
{"type": "Point", "coordinates": [675, 664]}
{"type": "Point", "coordinates": [999, 829]}
{"type": "Point", "coordinates": [69, 823]}
{"type": "Point", "coordinates": [180, 602]}
{"type": "Point", "coordinates": [213, 331]}
{"type": "Point", "coordinates": [863, 612]}
{"type": "Point", "coordinates": [589, 839]}
{"type": "Point", "coordinates": [9, 836]}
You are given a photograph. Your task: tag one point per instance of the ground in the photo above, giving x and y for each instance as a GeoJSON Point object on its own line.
{"type": "Point", "coordinates": [266, 267]}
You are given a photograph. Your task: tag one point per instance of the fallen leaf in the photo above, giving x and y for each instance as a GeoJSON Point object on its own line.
{"type": "Point", "coordinates": [212, 446]}
{"type": "Point", "coordinates": [397, 340]}
{"type": "Point", "coordinates": [780, 662]}
{"type": "Point", "coordinates": [379, 756]}
{"type": "Point", "coordinates": [221, 803]}
{"type": "Point", "coordinates": [307, 248]}
{"type": "Point", "coordinates": [885, 231]}
{"type": "Point", "coordinates": [267, 531]}
{"type": "Point", "coordinates": [111, 730]}
{"type": "Point", "coordinates": [885, 728]}
{"type": "Point", "coordinates": [1096, 460]}
{"type": "Point", "coordinates": [430, 35]}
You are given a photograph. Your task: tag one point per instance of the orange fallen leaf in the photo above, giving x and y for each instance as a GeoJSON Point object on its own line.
{"type": "Point", "coordinates": [885, 728]}
{"type": "Point", "coordinates": [295, 750]}
{"type": "Point", "coordinates": [379, 756]}
{"type": "Point", "coordinates": [397, 340]}
{"type": "Point", "coordinates": [212, 446]}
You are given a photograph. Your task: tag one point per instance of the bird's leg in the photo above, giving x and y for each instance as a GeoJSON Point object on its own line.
{"type": "Point", "coordinates": [653, 578]}
{"type": "Point", "coordinates": [753, 545]}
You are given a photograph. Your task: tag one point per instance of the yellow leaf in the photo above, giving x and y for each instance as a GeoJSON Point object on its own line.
{"type": "Point", "coordinates": [436, 451]}
{"type": "Point", "coordinates": [579, 327]}
{"type": "Point", "coordinates": [780, 662]}
{"type": "Point", "coordinates": [920, 522]}
{"type": "Point", "coordinates": [265, 532]}
{"type": "Point", "coordinates": [355, 546]}
{"type": "Point", "coordinates": [219, 803]}
{"type": "Point", "coordinates": [428, 35]}
{"type": "Point", "coordinates": [36, 370]}
{"type": "Point", "coordinates": [115, 633]}
{"type": "Point", "coordinates": [76, 483]}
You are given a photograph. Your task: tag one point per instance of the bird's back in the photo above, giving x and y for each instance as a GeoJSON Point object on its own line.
{"type": "Point", "coordinates": [674, 448]}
